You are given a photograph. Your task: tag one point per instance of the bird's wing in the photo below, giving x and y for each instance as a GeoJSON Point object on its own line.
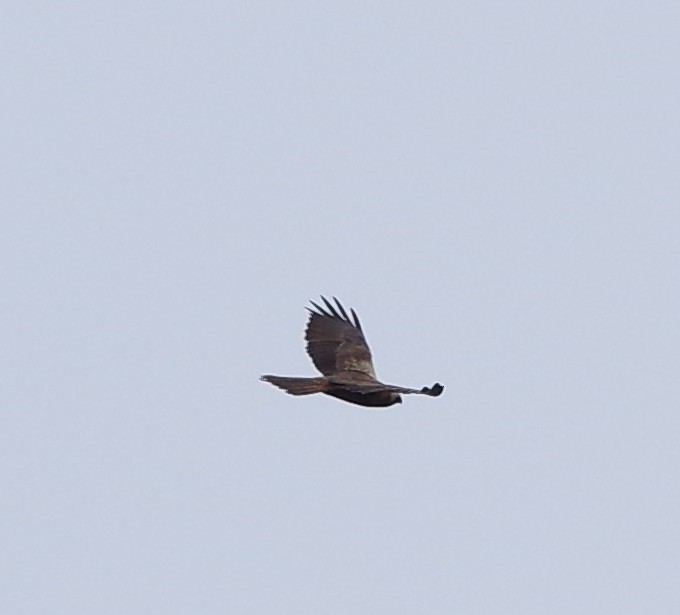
{"type": "Point", "coordinates": [365, 386]}
{"type": "Point", "coordinates": [335, 342]}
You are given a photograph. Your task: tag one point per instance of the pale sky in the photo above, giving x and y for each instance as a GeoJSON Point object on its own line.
{"type": "Point", "coordinates": [493, 186]}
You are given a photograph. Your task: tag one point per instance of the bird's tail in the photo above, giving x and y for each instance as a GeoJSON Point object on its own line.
{"type": "Point", "coordinates": [297, 386]}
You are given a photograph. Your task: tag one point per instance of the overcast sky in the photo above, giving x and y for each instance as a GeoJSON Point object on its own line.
{"type": "Point", "coordinates": [493, 186]}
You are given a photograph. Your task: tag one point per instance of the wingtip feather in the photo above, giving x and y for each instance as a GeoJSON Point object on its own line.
{"type": "Point", "coordinates": [331, 311]}
{"type": "Point", "coordinates": [342, 309]}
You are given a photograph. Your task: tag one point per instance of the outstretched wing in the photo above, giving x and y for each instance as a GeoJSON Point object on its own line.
{"type": "Point", "coordinates": [335, 342]}
{"type": "Point", "coordinates": [361, 386]}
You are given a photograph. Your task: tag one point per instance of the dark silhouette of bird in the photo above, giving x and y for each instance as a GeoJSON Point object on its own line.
{"type": "Point", "coordinates": [338, 348]}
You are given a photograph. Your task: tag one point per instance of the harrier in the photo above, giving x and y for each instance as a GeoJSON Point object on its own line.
{"type": "Point", "coordinates": [338, 349]}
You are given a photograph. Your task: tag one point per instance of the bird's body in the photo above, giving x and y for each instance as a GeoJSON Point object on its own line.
{"type": "Point", "coordinates": [338, 348]}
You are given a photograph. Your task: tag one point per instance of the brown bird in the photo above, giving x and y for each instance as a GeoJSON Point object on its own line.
{"type": "Point", "coordinates": [338, 349]}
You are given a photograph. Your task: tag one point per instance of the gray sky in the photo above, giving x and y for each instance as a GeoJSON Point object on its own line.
{"type": "Point", "coordinates": [493, 186]}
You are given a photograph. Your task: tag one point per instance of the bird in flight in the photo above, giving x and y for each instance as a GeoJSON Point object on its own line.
{"type": "Point", "coordinates": [338, 348]}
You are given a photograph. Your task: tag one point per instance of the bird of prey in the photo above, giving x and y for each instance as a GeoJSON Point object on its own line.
{"type": "Point", "coordinates": [338, 348]}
